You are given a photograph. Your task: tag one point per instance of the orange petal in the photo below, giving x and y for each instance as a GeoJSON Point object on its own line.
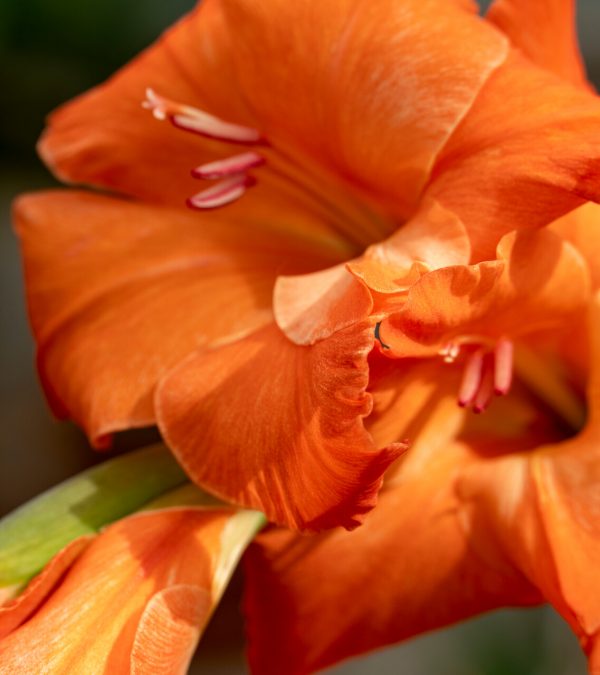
{"type": "Point", "coordinates": [410, 568]}
{"type": "Point", "coordinates": [20, 609]}
{"type": "Point", "coordinates": [538, 276]}
{"type": "Point", "coordinates": [120, 292]}
{"type": "Point", "coordinates": [278, 427]}
{"type": "Point", "coordinates": [407, 392]}
{"type": "Point", "coordinates": [545, 31]}
{"type": "Point", "coordinates": [543, 507]}
{"type": "Point", "coordinates": [149, 572]}
{"type": "Point", "coordinates": [311, 307]}
{"type": "Point", "coordinates": [106, 138]}
{"type": "Point", "coordinates": [520, 160]}
{"type": "Point", "coordinates": [169, 629]}
{"type": "Point", "coordinates": [392, 97]}
{"type": "Point", "coordinates": [581, 227]}
{"type": "Point", "coordinates": [433, 238]}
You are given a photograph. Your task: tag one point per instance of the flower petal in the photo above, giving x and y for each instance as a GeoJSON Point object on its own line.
{"type": "Point", "coordinates": [14, 613]}
{"type": "Point", "coordinates": [545, 31]}
{"type": "Point", "coordinates": [538, 276]}
{"type": "Point", "coordinates": [542, 507]}
{"type": "Point", "coordinates": [520, 160]}
{"type": "Point", "coordinates": [385, 91]}
{"type": "Point", "coordinates": [169, 629]}
{"type": "Point", "coordinates": [106, 138]}
{"type": "Point", "coordinates": [278, 427]}
{"type": "Point", "coordinates": [150, 568]}
{"type": "Point", "coordinates": [313, 601]}
{"type": "Point", "coordinates": [312, 307]}
{"type": "Point", "coordinates": [120, 292]}
{"type": "Point", "coordinates": [434, 237]}
{"type": "Point", "coordinates": [407, 392]}
{"type": "Point", "coordinates": [581, 227]}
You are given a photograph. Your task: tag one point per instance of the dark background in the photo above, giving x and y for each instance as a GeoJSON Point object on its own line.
{"type": "Point", "coordinates": [51, 50]}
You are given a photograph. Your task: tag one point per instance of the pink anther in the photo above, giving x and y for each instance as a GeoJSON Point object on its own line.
{"type": "Point", "coordinates": [224, 192]}
{"type": "Point", "coordinates": [503, 366]}
{"type": "Point", "coordinates": [228, 167]}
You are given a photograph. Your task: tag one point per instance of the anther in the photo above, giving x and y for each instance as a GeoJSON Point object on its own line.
{"type": "Point", "coordinates": [485, 392]}
{"type": "Point", "coordinates": [230, 172]}
{"type": "Point", "coordinates": [450, 352]}
{"type": "Point", "coordinates": [503, 366]}
{"type": "Point", "coordinates": [228, 167]}
{"type": "Point", "coordinates": [488, 370]}
{"type": "Point", "coordinates": [199, 122]}
{"type": "Point", "coordinates": [224, 192]}
{"type": "Point", "coordinates": [472, 377]}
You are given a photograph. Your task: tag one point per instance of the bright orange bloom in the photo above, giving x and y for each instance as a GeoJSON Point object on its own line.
{"type": "Point", "coordinates": [394, 147]}
{"type": "Point", "coordinates": [134, 600]}
{"type": "Point", "coordinates": [400, 233]}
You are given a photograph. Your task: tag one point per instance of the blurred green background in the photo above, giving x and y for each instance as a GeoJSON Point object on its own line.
{"type": "Point", "coordinates": [50, 50]}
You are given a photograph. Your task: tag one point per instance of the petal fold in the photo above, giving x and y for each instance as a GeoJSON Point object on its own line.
{"type": "Point", "coordinates": [120, 292]}
{"type": "Point", "coordinates": [169, 630]}
{"type": "Point", "coordinates": [279, 427]}
{"type": "Point", "coordinates": [312, 307]}
{"type": "Point", "coordinates": [520, 160]}
{"type": "Point", "coordinates": [17, 611]}
{"type": "Point", "coordinates": [410, 568]}
{"type": "Point", "coordinates": [537, 275]}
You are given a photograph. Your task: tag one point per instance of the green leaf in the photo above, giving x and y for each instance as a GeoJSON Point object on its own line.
{"type": "Point", "coordinates": [36, 531]}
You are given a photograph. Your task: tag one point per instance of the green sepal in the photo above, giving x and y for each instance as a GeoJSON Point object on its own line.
{"type": "Point", "coordinates": [36, 531]}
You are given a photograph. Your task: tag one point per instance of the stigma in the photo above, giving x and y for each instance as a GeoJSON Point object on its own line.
{"type": "Point", "coordinates": [231, 174]}
{"type": "Point", "coordinates": [488, 372]}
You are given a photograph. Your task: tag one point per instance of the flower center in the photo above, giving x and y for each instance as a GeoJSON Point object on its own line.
{"type": "Point", "coordinates": [488, 370]}
{"type": "Point", "coordinates": [231, 173]}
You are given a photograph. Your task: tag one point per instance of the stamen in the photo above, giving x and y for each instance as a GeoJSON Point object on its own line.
{"type": "Point", "coordinates": [503, 366]}
{"type": "Point", "coordinates": [224, 192]}
{"type": "Point", "coordinates": [486, 388]}
{"type": "Point", "coordinates": [227, 167]}
{"type": "Point", "coordinates": [450, 352]}
{"type": "Point", "coordinates": [232, 170]}
{"type": "Point", "coordinates": [472, 377]}
{"type": "Point", "coordinates": [199, 122]}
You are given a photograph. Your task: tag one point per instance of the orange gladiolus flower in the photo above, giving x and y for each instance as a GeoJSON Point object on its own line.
{"type": "Point", "coordinates": [397, 235]}
{"type": "Point", "coordinates": [134, 599]}
{"type": "Point", "coordinates": [400, 152]}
